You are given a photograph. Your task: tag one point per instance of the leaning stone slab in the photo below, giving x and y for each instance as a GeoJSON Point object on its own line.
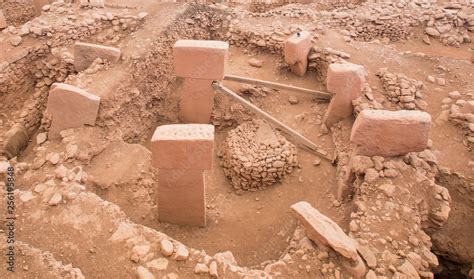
{"type": "Point", "coordinates": [390, 133]}
{"type": "Point", "coordinates": [71, 107]}
{"type": "Point", "coordinates": [16, 139]}
{"type": "Point", "coordinates": [346, 81]}
{"type": "Point", "coordinates": [200, 59]}
{"type": "Point", "coordinates": [85, 54]}
{"type": "Point", "coordinates": [183, 146]}
{"type": "Point", "coordinates": [323, 230]}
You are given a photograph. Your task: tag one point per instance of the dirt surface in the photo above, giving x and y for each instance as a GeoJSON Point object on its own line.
{"type": "Point", "coordinates": [90, 195]}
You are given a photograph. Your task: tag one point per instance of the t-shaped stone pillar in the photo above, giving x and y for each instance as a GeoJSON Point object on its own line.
{"type": "Point", "coordinates": [346, 81]}
{"type": "Point", "coordinates": [199, 63]}
{"type": "Point", "coordinates": [297, 48]}
{"type": "Point", "coordinates": [182, 152]}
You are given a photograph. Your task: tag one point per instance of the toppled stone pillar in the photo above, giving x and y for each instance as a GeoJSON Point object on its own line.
{"type": "Point", "coordinates": [297, 48]}
{"type": "Point", "coordinates": [346, 81]}
{"type": "Point", "coordinates": [390, 133]}
{"type": "Point", "coordinates": [71, 107]}
{"type": "Point", "coordinates": [322, 230]}
{"type": "Point", "coordinates": [199, 62]}
{"type": "Point", "coordinates": [85, 54]}
{"type": "Point", "coordinates": [182, 152]}
{"type": "Point", "coordinates": [3, 21]}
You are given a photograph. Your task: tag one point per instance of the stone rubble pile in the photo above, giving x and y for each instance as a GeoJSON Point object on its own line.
{"type": "Point", "coordinates": [461, 113]}
{"type": "Point", "coordinates": [399, 89]}
{"type": "Point", "coordinates": [366, 101]}
{"type": "Point", "coordinates": [450, 23]}
{"type": "Point", "coordinates": [255, 156]}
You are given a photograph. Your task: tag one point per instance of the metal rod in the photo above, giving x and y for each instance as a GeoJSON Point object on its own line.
{"type": "Point", "coordinates": [318, 94]}
{"type": "Point", "coordinates": [304, 141]}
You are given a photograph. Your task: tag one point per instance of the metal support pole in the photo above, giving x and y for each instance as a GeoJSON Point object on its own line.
{"type": "Point", "coordinates": [304, 141]}
{"type": "Point", "coordinates": [318, 94]}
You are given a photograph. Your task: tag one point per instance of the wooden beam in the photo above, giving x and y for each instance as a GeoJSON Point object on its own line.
{"type": "Point", "coordinates": [300, 138]}
{"type": "Point", "coordinates": [325, 96]}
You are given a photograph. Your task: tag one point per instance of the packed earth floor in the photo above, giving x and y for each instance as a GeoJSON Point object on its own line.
{"type": "Point", "coordinates": [99, 98]}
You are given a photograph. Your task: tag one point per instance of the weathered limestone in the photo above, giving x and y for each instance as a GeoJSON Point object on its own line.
{"type": "Point", "coordinates": [346, 81]}
{"type": "Point", "coordinates": [390, 133]}
{"type": "Point", "coordinates": [85, 54]}
{"type": "Point", "coordinates": [3, 21]}
{"type": "Point", "coordinates": [197, 101]}
{"type": "Point", "coordinates": [182, 152]}
{"type": "Point", "coordinates": [71, 107]}
{"type": "Point", "coordinates": [200, 59]}
{"type": "Point", "coordinates": [322, 230]}
{"type": "Point", "coordinates": [199, 62]}
{"type": "Point", "coordinates": [296, 51]}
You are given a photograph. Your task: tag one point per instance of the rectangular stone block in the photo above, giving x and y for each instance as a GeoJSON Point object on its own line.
{"type": "Point", "coordinates": [181, 197]}
{"type": "Point", "coordinates": [85, 54]}
{"type": "Point", "coordinates": [183, 146]}
{"type": "Point", "coordinates": [197, 101]}
{"type": "Point", "coordinates": [346, 81]}
{"type": "Point", "coordinates": [71, 107]}
{"type": "Point", "coordinates": [297, 47]}
{"type": "Point", "coordinates": [200, 59]}
{"type": "Point", "coordinates": [390, 133]}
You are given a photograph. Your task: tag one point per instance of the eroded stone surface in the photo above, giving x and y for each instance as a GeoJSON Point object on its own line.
{"type": "Point", "coordinates": [85, 54]}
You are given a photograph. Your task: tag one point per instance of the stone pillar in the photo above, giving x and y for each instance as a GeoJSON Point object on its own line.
{"type": "Point", "coordinates": [71, 107]}
{"type": "Point", "coordinates": [297, 48]}
{"type": "Point", "coordinates": [199, 63]}
{"type": "Point", "coordinates": [390, 133]}
{"type": "Point", "coordinates": [85, 54]}
{"type": "Point", "coordinates": [182, 153]}
{"type": "Point", "coordinates": [346, 81]}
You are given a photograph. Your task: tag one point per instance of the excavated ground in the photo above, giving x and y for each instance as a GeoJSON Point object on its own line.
{"type": "Point", "coordinates": [256, 226]}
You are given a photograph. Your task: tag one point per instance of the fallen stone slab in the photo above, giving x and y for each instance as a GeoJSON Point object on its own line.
{"type": "Point", "coordinates": [200, 59]}
{"type": "Point", "coordinates": [346, 81]}
{"type": "Point", "coordinates": [324, 231]}
{"type": "Point", "coordinates": [197, 101]}
{"type": "Point", "coordinates": [390, 133]}
{"type": "Point", "coordinates": [183, 146]}
{"type": "Point", "coordinates": [85, 54]}
{"type": "Point", "coordinates": [71, 107]}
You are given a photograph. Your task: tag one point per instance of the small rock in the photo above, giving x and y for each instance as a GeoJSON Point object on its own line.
{"type": "Point", "coordinates": [160, 264]}
{"type": "Point", "coordinates": [441, 81]}
{"type": "Point", "coordinates": [182, 253]}
{"type": "Point", "coordinates": [371, 175]}
{"type": "Point", "coordinates": [142, 15]}
{"type": "Point", "coordinates": [254, 62]}
{"type": "Point", "coordinates": [213, 269]}
{"type": "Point", "coordinates": [317, 162]}
{"type": "Point", "coordinates": [388, 189]}
{"type": "Point", "coordinates": [55, 199]}
{"type": "Point", "coordinates": [41, 138]}
{"type": "Point", "coordinates": [293, 100]}
{"type": "Point", "coordinates": [16, 40]}
{"type": "Point", "coordinates": [144, 273]}
{"type": "Point", "coordinates": [166, 247]}
{"type": "Point", "coordinates": [201, 268]}
{"type": "Point", "coordinates": [46, 8]}
{"type": "Point", "coordinates": [54, 158]}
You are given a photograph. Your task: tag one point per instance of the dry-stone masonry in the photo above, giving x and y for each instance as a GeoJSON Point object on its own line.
{"type": "Point", "coordinates": [390, 133]}
{"type": "Point", "coordinates": [256, 156]}
{"type": "Point", "coordinates": [181, 153]}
